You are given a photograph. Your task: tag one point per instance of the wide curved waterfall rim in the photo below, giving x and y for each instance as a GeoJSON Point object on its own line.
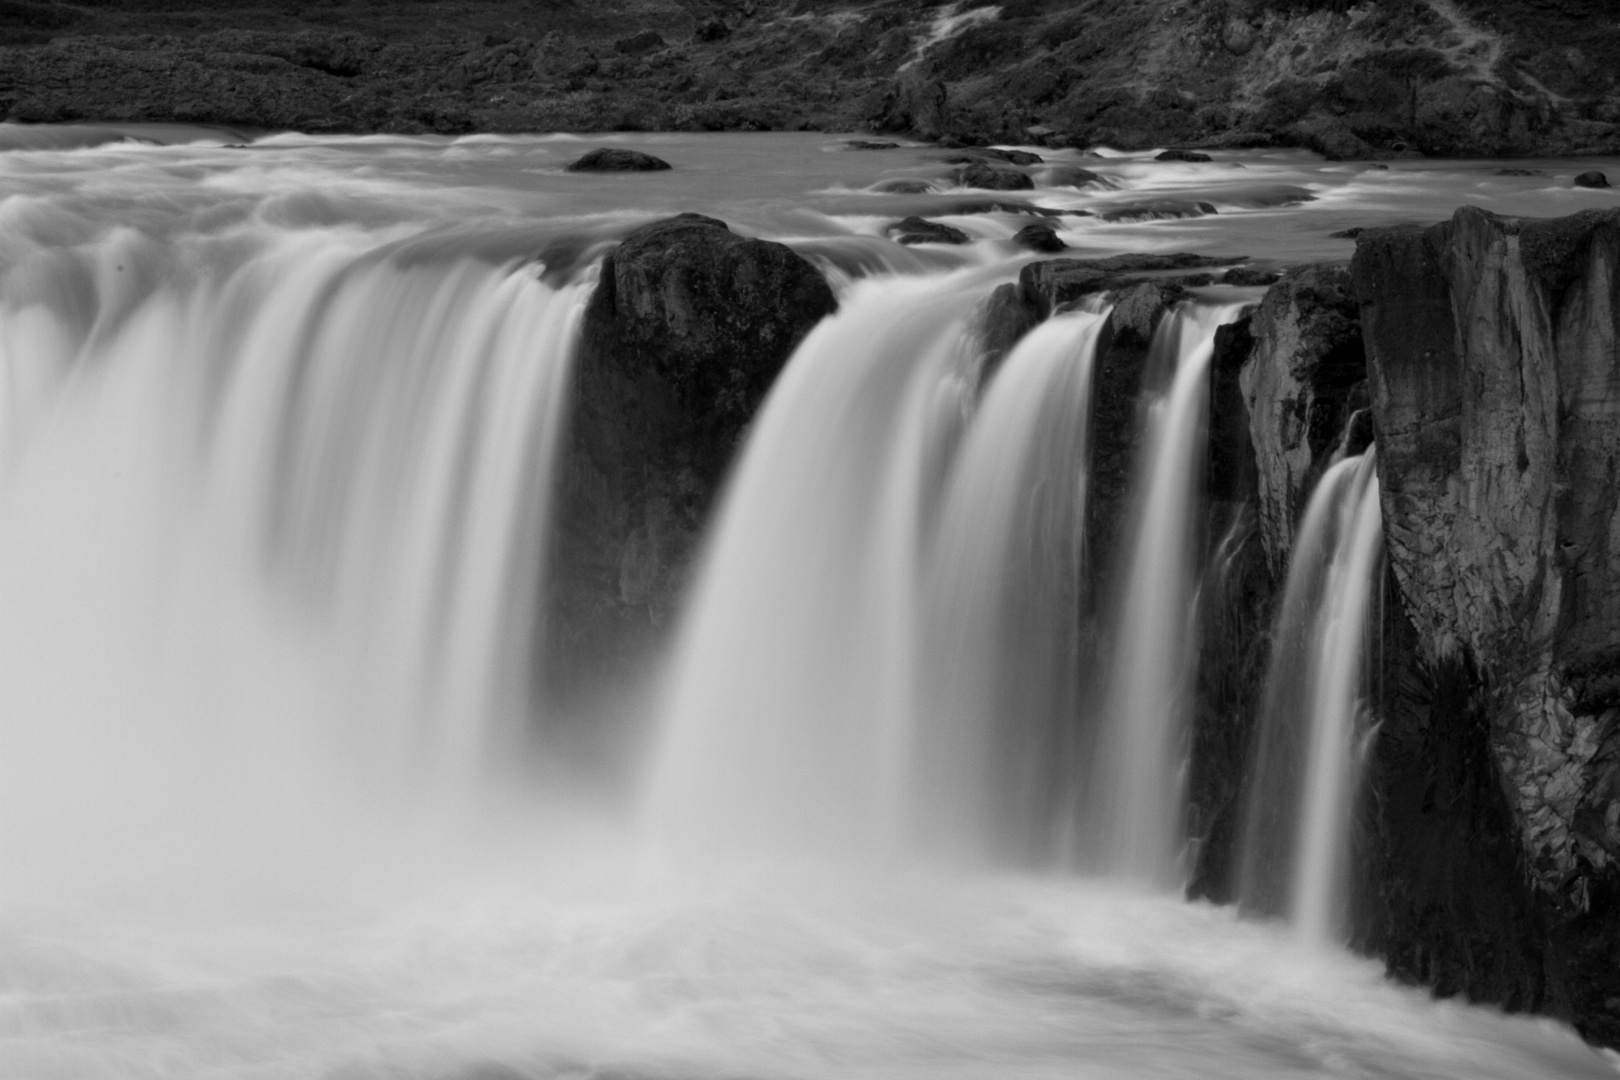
{"type": "Point", "coordinates": [275, 427]}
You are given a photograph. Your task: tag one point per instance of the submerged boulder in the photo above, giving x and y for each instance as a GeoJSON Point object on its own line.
{"type": "Point", "coordinates": [618, 159]}
{"type": "Point", "coordinates": [1494, 348]}
{"type": "Point", "coordinates": [1592, 179]}
{"type": "Point", "coordinates": [685, 332]}
{"type": "Point", "coordinates": [919, 230]}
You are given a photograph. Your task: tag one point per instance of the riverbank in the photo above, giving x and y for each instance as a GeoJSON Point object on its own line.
{"type": "Point", "coordinates": [1459, 78]}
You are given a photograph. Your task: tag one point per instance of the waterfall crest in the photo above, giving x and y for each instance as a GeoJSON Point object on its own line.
{"type": "Point", "coordinates": [864, 601]}
{"type": "Point", "coordinates": [1307, 758]}
{"type": "Point", "coordinates": [296, 491]}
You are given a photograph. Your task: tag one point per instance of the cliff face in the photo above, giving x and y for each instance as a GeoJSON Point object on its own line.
{"type": "Point", "coordinates": [1495, 374]}
{"type": "Point", "coordinates": [1451, 77]}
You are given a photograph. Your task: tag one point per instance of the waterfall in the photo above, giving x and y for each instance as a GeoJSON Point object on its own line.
{"type": "Point", "coordinates": [1308, 753]}
{"type": "Point", "coordinates": [271, 516]}
{"type": "Point", "coordinates": [884, 556]}
{"type": "Point", "coordinates": [1141, 765]}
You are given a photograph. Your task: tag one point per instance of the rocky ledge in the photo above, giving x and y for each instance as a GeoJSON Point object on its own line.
{"type": "Point", "coordinates": [1460, 77]}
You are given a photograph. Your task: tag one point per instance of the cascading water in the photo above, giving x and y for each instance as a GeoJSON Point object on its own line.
{"type": "Point", "coordinates": [1141, 790]}
{"type": "Point", "coordinates": [1313, 726]}
{"type": "Point", "coordinates": [271, 511]}
{"type": "Point", "coordinates": [886, 597]}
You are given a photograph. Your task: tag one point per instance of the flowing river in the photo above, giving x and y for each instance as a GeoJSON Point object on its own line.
{"type": "Point", "coordinates": [279, 421]}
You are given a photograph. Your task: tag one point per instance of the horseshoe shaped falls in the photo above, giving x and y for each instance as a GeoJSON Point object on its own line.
{"type": "Point", "coordinates": [462, 620]}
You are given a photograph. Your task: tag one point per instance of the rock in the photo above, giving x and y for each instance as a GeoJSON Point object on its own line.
{"type": "Point", "coordinates": [617, 159]}
{"type": "Point", "coordinates": [1592, 179]}
{"type": "Point", "coordinates": [903, 187]}
{"type": "Point", "coordinates": [866, 144]}
{"type": "Point", "coordinates": [685, 332]}
{"type": "Point", "coordinates": [711, 30]}
{"type": "Point", "coordinates": [1158, 209]}
{"type": "Point", "coordinates": [1299, 388]}
{"type": "Point", "coordinates": [1039, 237]}
{"type": "Point", "coordinates": [984, 154]}
{"type": "Point", "coordinates": [992, 178]}
{"type": "Point", "coordinates": [919, 230]}
{"type": "Point", "coordinates": [1071, 176]}
{"type": "Point", "coordinates": [636, 44]}
{"type": "Point", "coordinates": [1249, 276]}
{"type": "Point", "coordinates": [1004, 320]}
{"type": "Point", "coordinates": [1348, 234]}
{"type": "Point", "coordinates": [1182, 155]}
{"type": "Point", "coordinates": [1494, 348]}
{"type": "Point", "coordinates": [1519, 172]}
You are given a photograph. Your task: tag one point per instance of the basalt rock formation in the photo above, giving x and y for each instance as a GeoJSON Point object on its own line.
{"type": "Point", "coordinates": [1377, 78]}
{"type": "Point", "coordinates": [1495, 375]}
{"type": "Point", "coordinates": [682, 337]}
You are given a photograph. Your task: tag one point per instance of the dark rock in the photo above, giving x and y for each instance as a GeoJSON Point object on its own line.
{"type": "Point", "coordinates": [1039, 237]}
{"type": "Point", "coordinates": [1182, 155]}
{"type": "Point", "coordinates": [1348, 234]}
{"type": "Point", "coordinates": [711, 30]}
{"type": "Point", "coordinates": [1493, 345]}
{"type": "Point", "coordinates": [1071, 176]}
{"type": "Point", "coordinates": [1592, 179]}
{"type": "Point", "coordinates": [985, 154]}
{"type": "Point", "coordinates": [617, 159]}
{"type": "Point", "coordinates": [636, 44]}
{"type": "Point", "coordinates": [685, 332]}
{"type": "Point", "coordinates": [1298, 392]}
{"type": "Point", "coordinates": [919, 230]}
{"type": "Point", "coordinates": [1052, 283]}
{"type": "Point", "coordinates": [1519, 172]}
{"type": "Point", "coordinates": [903, 187]}
{"type": "Point", "coordinates": [1158, 209]}
{"type": "Point", "coordinates": [1005, 319]}
{"type": "Point", "coordinates": [992, 178]}
{"type": "Point", "coordinates": [865, 144]}
{"type": "Point", "coordinates": [1249, 275]}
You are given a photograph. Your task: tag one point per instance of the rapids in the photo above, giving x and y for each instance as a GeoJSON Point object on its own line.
{"type": "Point", "coordinates": [278, 422]}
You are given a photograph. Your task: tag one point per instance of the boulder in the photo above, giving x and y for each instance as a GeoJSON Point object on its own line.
{"type": "Point", "coordinates": [1039, 237]}
{"type": "Point", "coordinates": [1249, 276]}
{"type": "Point", "coordinates": [617, 159]}
{"type": "Point", "coordinates": [686, 330]}
{"type": "Point", "coordinates": [1182, 155]}
{"type": "Point", "coordinates": [1592, 179]}
{"type": "Point", "coordinates": [1159, 210]}
{"type": "Point", "coordinates": [1494, 349]}
{"type": "Point", "coordinates": [1071, 176]}
{"type": "Point", "coordinates": [979, 155]}
{"type": "Point", "coordinates": [918, 230]}
{"type": "Point", "coordinates": [993, 178]}
{"type": "Point", "coordinates": [903, 186]}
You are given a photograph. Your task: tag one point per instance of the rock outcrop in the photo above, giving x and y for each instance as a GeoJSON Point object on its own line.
{"type": "Point", "coordinates": [1299, 387]}
{"type": "Point", "coordinates": [685, 332]}
{"type": "Point", "coordinates": [1495, 381]}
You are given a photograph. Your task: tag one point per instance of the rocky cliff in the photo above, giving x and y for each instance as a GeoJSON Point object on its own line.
{"type": "Point", "coordinates": [1494, 349]}
{"type": "Point", "coordinates": [1381, 77]}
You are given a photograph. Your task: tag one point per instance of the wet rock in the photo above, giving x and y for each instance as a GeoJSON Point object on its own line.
{"type": "Point", "coordinates": [1182, 155]}
{"type": "Point", "coordinates": [1071, 176]}
{"type": "Point", "coordinates": [1158, 209]}
{"type": "Point", "coordinates": [1493, 345]}
{"type": "Point", "coordinates": [1004, 320]}
{"type": "Point", "coordinates": [1592, 179]}
{"type": "Point", "coordinates": [1348, 234]}
{"type": "Point", "coordinates": [1300, 389]}
{"type": "Point", "coordinates": [986, 154]}
{"type": "Point", "coordinates": [992, 178]}
{"type": "Point", "coordinates": [617, 159]}
{"type": "Point", "coordinates": [685, 332]}
{"type": "Point", "coordinates": [711, 30]}
{"type": "Point", "coordinates": [866, 144]}
{"type": "Point", "coordinates": [1249, 276]}
{"type": "Point", "coordinates": [1519, 172]}
{"type": "Point", "coordinates": [1039, 237]}
{"type": "Point", "coordinates": [636, 44]}
{"type": "Point", "coordinates": [903, 187]}
{"type": "Point", "coordinates": [919, 230]}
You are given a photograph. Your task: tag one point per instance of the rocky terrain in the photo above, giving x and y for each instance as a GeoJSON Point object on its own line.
{"type": "Point", "coordinates": [1377, 78]}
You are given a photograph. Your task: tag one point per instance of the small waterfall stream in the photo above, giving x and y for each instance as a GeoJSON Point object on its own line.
{"type": "Point", "coordinates": [1308, 753]}
{"type": "Point", "coordinates": [1142, 761]}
